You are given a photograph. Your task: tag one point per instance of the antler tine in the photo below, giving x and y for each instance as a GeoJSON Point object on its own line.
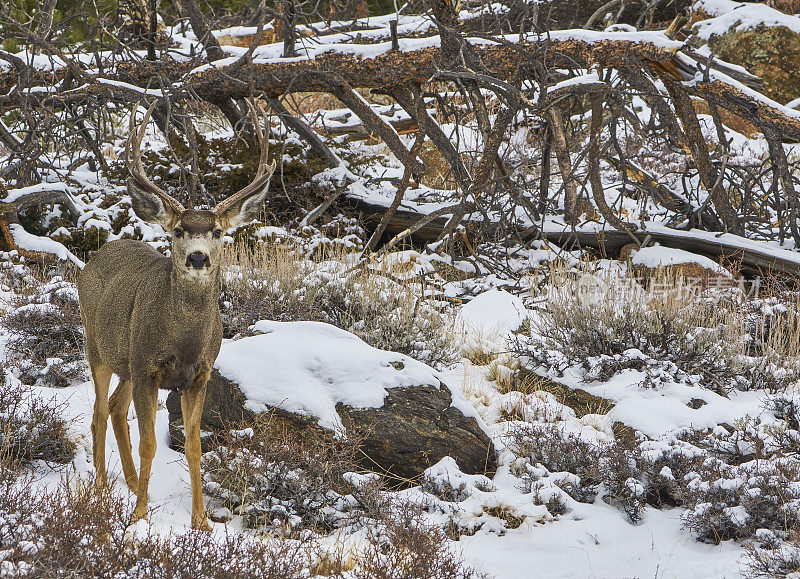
{"type": "Point", "coordinates": [265, 169]}
{"type": "Point", "coordinates": [133, 160]}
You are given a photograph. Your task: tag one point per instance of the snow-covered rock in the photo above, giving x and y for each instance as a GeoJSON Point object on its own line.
{"type": "Point", "coordinates": [318, 376]}
{"type": "Point", "coordinates": [677, 261]}
{"type": "Point", "coordinates": [755, 36]}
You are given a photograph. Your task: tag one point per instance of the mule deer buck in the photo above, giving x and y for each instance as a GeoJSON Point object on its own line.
{"type": "Point", "coordinates": [154, 321]}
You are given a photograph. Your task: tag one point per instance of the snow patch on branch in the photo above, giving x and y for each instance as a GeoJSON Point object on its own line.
{"type": "Point", "coordinates": [30, 242]}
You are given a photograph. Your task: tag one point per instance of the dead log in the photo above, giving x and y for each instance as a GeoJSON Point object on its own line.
{"type": "Point", "coordinates": [754, 259]}
{"type": "Point", "coordinates": [34, 196]}
{"type": "Point", "coordinates": [360, 132]}
{"type": "Point", "coordinates": [397, 69]}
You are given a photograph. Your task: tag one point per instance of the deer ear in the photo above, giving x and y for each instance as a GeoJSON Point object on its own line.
{"type": "Point", "coordinates": [246, 210]}
{"type": "Point", "coordinates": [149, 207]}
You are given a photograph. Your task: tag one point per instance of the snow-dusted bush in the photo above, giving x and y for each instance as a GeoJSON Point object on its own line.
{"type": "Point", "coordinates": [611, 468]}
{"type": "Point", "coordinates": [465, 504]}
{"type": "Point", "coordinates": [667, 337]}
{"type": "Point", "coordinates": [277, 480]}
{"type": "Point", "coordinates": [46, 334]}
{"type": "Point", "coordinates": [31, 427]}
{"type": "Point", "coordinates": [769, 557]}
{"type": "Point", "coordinates": [404, 546]}
{"type": "Point", "coordinates": [275, 477]}
{"type": "Point", "coordinates": [735, 501]}
{"type": "Point", "coordinates": [607, 338]}
{"type": "Point", "coordinates": [724, 501]}
{"type": "Point", "coordinates": [271, 282]}
{"type": "Point", "coordinates": [77, 530]}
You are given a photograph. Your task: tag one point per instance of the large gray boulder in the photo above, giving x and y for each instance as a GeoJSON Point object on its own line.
{"type": "Point", "coordinates": [316, 376]}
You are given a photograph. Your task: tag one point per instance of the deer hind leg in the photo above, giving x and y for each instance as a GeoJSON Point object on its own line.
{"type": "Point", "coordinates": [101, 377]}
{"type": "Point", "coordinates": [145, 399]}
{"type": "Point", "coordinates": [118, 406]}
{"type": "Point", "coordinates": [192, 408]}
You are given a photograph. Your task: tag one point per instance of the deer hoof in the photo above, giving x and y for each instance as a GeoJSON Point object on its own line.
{"type": "Point", "coordinates": [139, 515]}
{"type": "Point", "coordinates": [100, 484]}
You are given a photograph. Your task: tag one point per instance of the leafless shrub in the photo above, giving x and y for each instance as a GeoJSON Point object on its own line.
{"type": "Point", "coordinates": [274, 476]}
{"type": "Point", "coordinates": [404, 546]}
{"type": "Point", "coordinates": [668, 338]}
{"type": "Point", "coordinates": [775, 559]}
{"type": "Point", "coordinates": [79, 531]}
{"type": "Point", "coordinates": [46, 341]}
{"type": "Point", "coordinates": [31, 427]}
{"type": "Point", "coordinates": [733, 502]}
{"type": "Point", "coordinates": [613, 468]}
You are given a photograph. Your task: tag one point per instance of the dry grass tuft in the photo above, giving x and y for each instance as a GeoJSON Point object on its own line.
{"type": "Point", "coordinates": [608, 323]}
{"type": "Point", "coordinates": [282, 285]}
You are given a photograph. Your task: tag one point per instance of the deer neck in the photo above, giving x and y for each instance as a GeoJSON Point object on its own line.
{"type": "Point", "coordinates": [195, 295]}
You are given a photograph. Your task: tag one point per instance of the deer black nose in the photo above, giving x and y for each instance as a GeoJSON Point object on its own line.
{"type": "Point", "coordinates": [197, 260]}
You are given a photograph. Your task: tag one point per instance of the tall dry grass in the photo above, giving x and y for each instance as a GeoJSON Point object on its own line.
{"type": "Point", "coordinates": [605, 320]}
{"type": "Point", "coordinates": [270, 281]}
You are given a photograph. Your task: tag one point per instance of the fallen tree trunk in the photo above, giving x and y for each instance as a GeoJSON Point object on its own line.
{"type": "Point", "coordinates": [416, 63]}
{"type": "Point", "coordinates": [755, 259]}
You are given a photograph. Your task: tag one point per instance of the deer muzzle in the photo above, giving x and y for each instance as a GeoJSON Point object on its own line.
{"type": "Point", "coordinates": [197, 260]}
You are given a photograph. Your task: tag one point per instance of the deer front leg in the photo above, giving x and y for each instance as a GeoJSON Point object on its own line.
{"type": "Point", "coordinates": [145, 400]}
{"type": "Point", "coordinates": [192, 409]}
{"type": "Point", "coordinates": [118, 406]}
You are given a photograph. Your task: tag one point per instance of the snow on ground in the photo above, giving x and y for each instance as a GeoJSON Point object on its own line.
{"type": "Point", "coordinates": [317, 365]}
{"type": "Point", "coordinates": [597, 541]}
{"type": "Point", "coordinates": [656, 412]}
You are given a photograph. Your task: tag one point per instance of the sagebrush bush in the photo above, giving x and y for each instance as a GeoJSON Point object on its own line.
{"type": "Point", "coordinates": [46, 335]}
{"type": "Point", "coordinates": [275, 477]}
{"type": "Point", "coordinates": [613, 468]}
{"type": "Point", "coordinates": [734, 501]}
{"type": "Point", "coordinates": [700, 341]}
{"type": "Point", "coordinates": [724, 501]}
{"type": "Point", "coordinates": [403, 546]}
{"type": "Point", "coordinates": [771, 558]}
{"type": "Point", "coordinates": [272, 282]}
{"type": "Point", "coordinates": [77, 530]}
{"type": "Point", "coordinates": [31, 427]}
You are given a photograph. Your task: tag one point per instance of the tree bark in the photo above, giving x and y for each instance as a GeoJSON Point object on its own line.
{"type": "Point", "coordinates": [699, 149]}
{"type": "Point", "coordinates": [561, 147]}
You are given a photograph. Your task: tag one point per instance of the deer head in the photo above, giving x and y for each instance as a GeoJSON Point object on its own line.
{"type": "Point", "coordinates": [196, 234]}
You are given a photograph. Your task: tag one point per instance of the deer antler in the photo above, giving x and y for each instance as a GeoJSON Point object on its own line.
{"type": "Point", "coordinates": [133, 160]}
{"type": "Point", "coordinates": [265, 169]}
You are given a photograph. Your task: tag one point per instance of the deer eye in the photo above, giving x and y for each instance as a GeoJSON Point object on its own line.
{"type": "Point", "coordinates": [217, 233]}
{"type": "Point", "coordinates": [178, 232]}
